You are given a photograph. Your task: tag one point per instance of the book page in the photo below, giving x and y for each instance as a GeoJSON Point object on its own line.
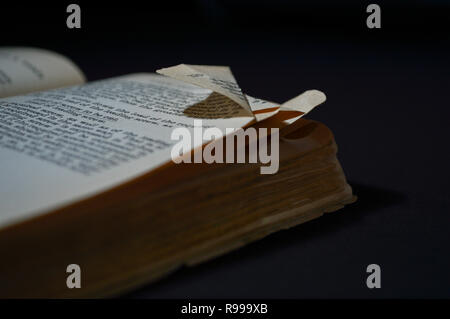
{"type": "Point", "coordinates": [63, 145]}
{"type": "Point", "coordinates": [25, 70]}
{"type": "Point", "coordinates": [217, 78]}
{"type": "Point", "coordinates": [221, 80]}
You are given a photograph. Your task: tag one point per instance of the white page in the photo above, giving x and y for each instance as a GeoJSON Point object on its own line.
{"type": "Point", "coordinates": [60, 146]}
{"type": "Point", "coordinates": [24, 70]}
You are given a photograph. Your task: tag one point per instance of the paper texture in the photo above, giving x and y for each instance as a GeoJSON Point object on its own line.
{"type": "Point", "coordinates": [64, 145]}
{"type": "Point", "coordinates": [25, 70]}
{"type": "Point", "coordinates": [216, 78]}
{"type": "Point", "coordinates": [220, 79]}
{"type": "Point", "coordinates": [60, 146]}
{"type": "Point", "coordinates": [302, 104]}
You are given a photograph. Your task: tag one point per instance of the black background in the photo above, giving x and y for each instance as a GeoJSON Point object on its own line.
{"type": "Point", "coordinates": [387, 105]}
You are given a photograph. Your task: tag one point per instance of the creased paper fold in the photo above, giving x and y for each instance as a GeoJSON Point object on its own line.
{"type": "Point", "coordinates": [220, 79]}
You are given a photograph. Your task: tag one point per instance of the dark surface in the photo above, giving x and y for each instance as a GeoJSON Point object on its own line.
{"type": "Point", "coordinates": [387, 106]}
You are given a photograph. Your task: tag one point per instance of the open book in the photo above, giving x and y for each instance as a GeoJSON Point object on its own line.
{"type": "Point", "coordinates": [91, 173]}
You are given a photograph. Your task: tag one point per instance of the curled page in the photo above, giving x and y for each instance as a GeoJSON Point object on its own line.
{"type": "Point", "coordinates": [24, 70]}
{"type": "Point", "coordinates": [216, 78]}
{"type": "Point", "coordinates": [301, 105]}
{"type": "Point", "coordinates": [220, 80]}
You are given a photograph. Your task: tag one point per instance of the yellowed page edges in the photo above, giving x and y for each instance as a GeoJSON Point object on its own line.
{"type": "Point", "coordinates": [302, 104]}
